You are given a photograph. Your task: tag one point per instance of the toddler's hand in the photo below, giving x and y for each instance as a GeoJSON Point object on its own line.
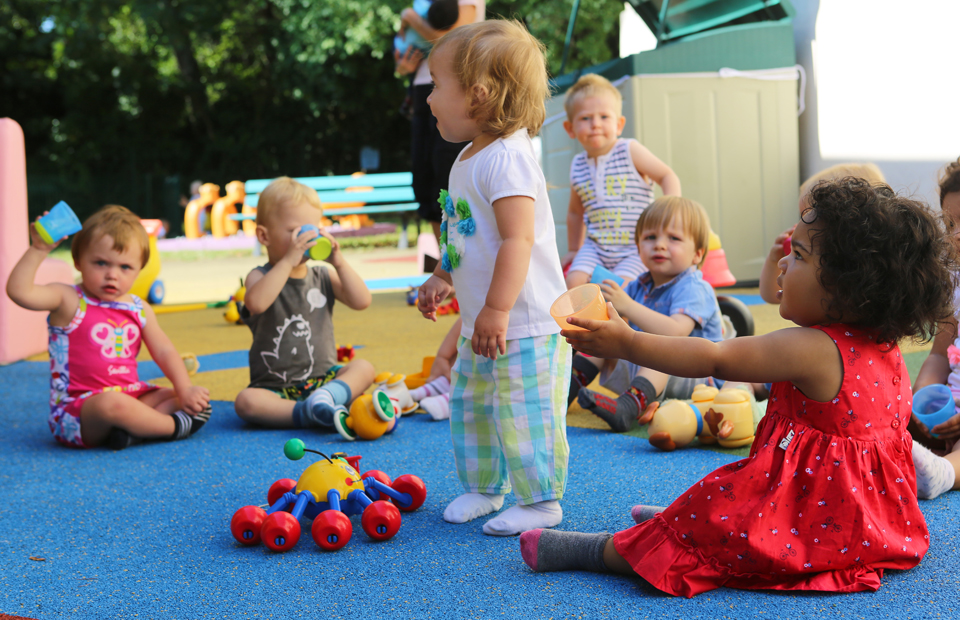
{"type": "Point", "coordinates": [37, 242]}
{"type": "Point", "coordinates": [490, 332]}
{"type": "Point", "coordinates": [949, 430]}
{"type": "Point", "coordinates": [614, 294]}
{"type": "Point", "coordinates": [300, 242]}
{"type": "Point", "coordinates": [568, 258]}
{"type": "Point", "coordinates": [431, 295]}
{"type": "Point", "coordinates": [776, 251]}
{"type": "Point", "coordinates": [605, 339]}
{"type": "Point", "coordinates": [408, 62]}
{"type": "Point", "coordinates": [335, 254]}
{"type": "Point", "coordinates": [194, 399]}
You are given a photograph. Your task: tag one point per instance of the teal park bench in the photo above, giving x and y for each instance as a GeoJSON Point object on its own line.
{"type": "Point", "coordinates": [389, 192]}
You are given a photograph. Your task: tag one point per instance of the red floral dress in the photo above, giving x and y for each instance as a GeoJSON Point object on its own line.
{"type": "Point", "coordinates": [826, 500]}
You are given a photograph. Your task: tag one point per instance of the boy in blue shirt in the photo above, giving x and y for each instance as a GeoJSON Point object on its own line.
{"type": "Point", "coordinates": [671, 299]}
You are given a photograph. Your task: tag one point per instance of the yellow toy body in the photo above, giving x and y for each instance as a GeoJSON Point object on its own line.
{"type": "Point", "coordinates": [702, 398]}
{"type": "Point", "coordinates": [148, 275]}
{"type": "Point", "coordinates": [731, 418]}
{"type": "Point", "coordinates": [370, 417]}
{"type": "Point", "coordinates": [674, 425]}
{"type": "Point", "coordinates": [319, 478]}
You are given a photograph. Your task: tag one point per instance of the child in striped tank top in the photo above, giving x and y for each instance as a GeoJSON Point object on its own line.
{"type": "Point", "coordinates": [610, 184]}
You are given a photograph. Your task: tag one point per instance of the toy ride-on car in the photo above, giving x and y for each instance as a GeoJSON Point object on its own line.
{"type": "Point", "coordinates": [328, 492]}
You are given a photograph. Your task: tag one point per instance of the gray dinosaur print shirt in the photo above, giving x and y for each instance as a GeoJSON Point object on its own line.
{"type": "Point", "coordinates": [293, 339]}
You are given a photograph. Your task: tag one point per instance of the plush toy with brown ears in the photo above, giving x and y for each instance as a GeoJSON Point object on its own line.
{"type": "Point", "coordinates": [724, 417]}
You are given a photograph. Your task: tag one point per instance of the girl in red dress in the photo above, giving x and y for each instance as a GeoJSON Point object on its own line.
{"type": "Point", "coordinates": [827, 498]}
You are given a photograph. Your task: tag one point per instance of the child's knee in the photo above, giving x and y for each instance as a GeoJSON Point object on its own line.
{"type": "Point", "coordinates": [361, 370]}
{"type": "Point", "coordinates": [244, 404]}
{"type": "Point", "coordinates": [108, 406]}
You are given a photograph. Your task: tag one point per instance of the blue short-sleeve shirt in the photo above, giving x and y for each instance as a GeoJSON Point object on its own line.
{"type": "Point", "coordinates": [688, 294]}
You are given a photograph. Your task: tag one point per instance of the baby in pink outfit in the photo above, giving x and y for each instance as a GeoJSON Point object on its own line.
{"type": "Point", "coordinates": [96, 328]}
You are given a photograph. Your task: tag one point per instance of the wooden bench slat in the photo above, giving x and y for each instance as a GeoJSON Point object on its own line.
{"type": "Point", "coordinates": [377, 196]}
{"type": "Point", "coordinates": [386, 179]}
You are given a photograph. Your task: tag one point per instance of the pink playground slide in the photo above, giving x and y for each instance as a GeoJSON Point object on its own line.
{"type": "Point", "coordinates": [22, 332]}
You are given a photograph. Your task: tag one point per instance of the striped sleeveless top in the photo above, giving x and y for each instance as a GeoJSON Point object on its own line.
{"type": "Point", "coordinates": [613, 195]}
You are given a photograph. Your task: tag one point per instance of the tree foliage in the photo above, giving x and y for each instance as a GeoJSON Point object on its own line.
{"type": "Point", "coordinates": [114, 89]}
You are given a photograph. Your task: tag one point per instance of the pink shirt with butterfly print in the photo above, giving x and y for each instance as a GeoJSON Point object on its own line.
{"type": "Point", "coordinates": [95, 353]}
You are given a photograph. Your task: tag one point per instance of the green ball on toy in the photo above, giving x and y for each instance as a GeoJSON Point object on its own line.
{"type": "Point", "coordinates": [293, 449]}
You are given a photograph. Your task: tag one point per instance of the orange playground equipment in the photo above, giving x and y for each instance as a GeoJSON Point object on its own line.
{"type": "Point", "coordinates": [219, 210]}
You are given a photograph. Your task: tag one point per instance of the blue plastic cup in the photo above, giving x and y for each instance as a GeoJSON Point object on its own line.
{"type": "Point", "coordinates": [60, 222]}
{"type": "Point", "coordinates": [600, 273]}
{"type": "Point", "coordinates": [934, 405]}
{"type": "Point", "coordinates": [323, 247]}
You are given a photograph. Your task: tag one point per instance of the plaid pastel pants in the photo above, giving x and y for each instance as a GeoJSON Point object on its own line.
{"type": "Point", "coordinates": [508, 418]}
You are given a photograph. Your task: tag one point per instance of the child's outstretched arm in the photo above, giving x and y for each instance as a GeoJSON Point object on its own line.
{"type": "Point", "coordinates": [24, 292]}
{"type": "Point", "coordinates": [263, 289]}
{"type": "Point", "coordinates": [348, 287]}
{"type": "Point", "coordinates": [646, 319]}
{"type": "Point", "coordinates": [806, 357]}
{"type": "Point", "coordinates": [649, 165]}
{"type": "Point", "coordinates": [769, 272]}
{"type": "Point", "coordinates": [193, 398]}
{"type": "Point", "coordinates": [515, 223]}
{"type": "Point", "coordinates": [575, 228]}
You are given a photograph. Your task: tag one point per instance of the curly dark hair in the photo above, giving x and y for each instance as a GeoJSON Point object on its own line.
{"type": "Point", "coordinates": [950, 179]}
{"type": "Point", "coordinates": [884, 259]}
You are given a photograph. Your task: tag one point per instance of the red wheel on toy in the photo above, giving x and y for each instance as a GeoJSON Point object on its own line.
{"type": "Point", "coordinates": [246, 524]}
{"type": "Point", "coordinates": [278, 488]}
{"type": "Point", "coordinates": [414, 487]}
{"type": "Point", "coordinates": [331, 530]}
{"type": "Point", "coordinates": [280, 531]}
{"type": "Point", "coordinates": [380, 520]}
{"type": "Point", "coordinates": [381, 477]}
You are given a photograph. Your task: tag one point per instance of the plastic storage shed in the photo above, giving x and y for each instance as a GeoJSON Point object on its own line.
{"type": "Point", "coordinates": [717, 100]}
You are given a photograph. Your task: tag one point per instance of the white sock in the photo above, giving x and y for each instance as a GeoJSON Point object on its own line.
{"type": "Point", "coordinates": [437, 406]}
{"type": "Point", "coordinates": [440, 385]}
{"type": "Point", "coordinates": [469, 506]}
{"type": "Point", "coordinates": [935, 474]}
{"type": "Point", "coordinates": [520, 519]}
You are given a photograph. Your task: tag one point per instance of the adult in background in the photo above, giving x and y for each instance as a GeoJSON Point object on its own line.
{"type": "Point", "coordinates": [432, 156]}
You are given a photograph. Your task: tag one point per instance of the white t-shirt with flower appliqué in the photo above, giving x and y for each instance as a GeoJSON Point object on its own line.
{"type": "Point", "coordinates": [507, 167]}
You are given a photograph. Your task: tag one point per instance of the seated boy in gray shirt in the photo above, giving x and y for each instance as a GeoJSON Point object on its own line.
{"type": "Point", "coordinates": [295, 381]}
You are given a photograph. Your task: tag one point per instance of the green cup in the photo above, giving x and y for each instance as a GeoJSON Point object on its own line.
{"type": "Point", "coordinates": [323, 247]}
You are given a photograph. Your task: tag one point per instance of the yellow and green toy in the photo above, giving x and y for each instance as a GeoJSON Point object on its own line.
{"type": "Point", "coordinates": [147, 286]}
{"type": "Point", "coordinates": [370, 417]}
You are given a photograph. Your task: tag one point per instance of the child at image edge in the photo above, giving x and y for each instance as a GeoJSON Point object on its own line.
{"type": "Point", "coordinates": [96, 328]}
{"type": "Point", "coordinates": [938, 474]}
{"type": "Point", "coordinates": [827, 498]}
{"type": "Point", "coordinates": [498, 247]}
{"type": "Point", "coordinates": [609, 183]}
{"type": "Point", "coordinates": [295, 381]}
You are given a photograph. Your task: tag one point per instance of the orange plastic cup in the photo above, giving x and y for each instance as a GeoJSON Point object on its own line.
{"type": "Point", "coordinates": [584, 302]}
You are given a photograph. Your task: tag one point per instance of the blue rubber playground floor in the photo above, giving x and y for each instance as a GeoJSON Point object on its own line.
{"type": "Point", "coordinates": [145, 532]}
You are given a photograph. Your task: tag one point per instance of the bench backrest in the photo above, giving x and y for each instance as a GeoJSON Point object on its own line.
{"type": "Point", "coordinates": [391, 187]}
